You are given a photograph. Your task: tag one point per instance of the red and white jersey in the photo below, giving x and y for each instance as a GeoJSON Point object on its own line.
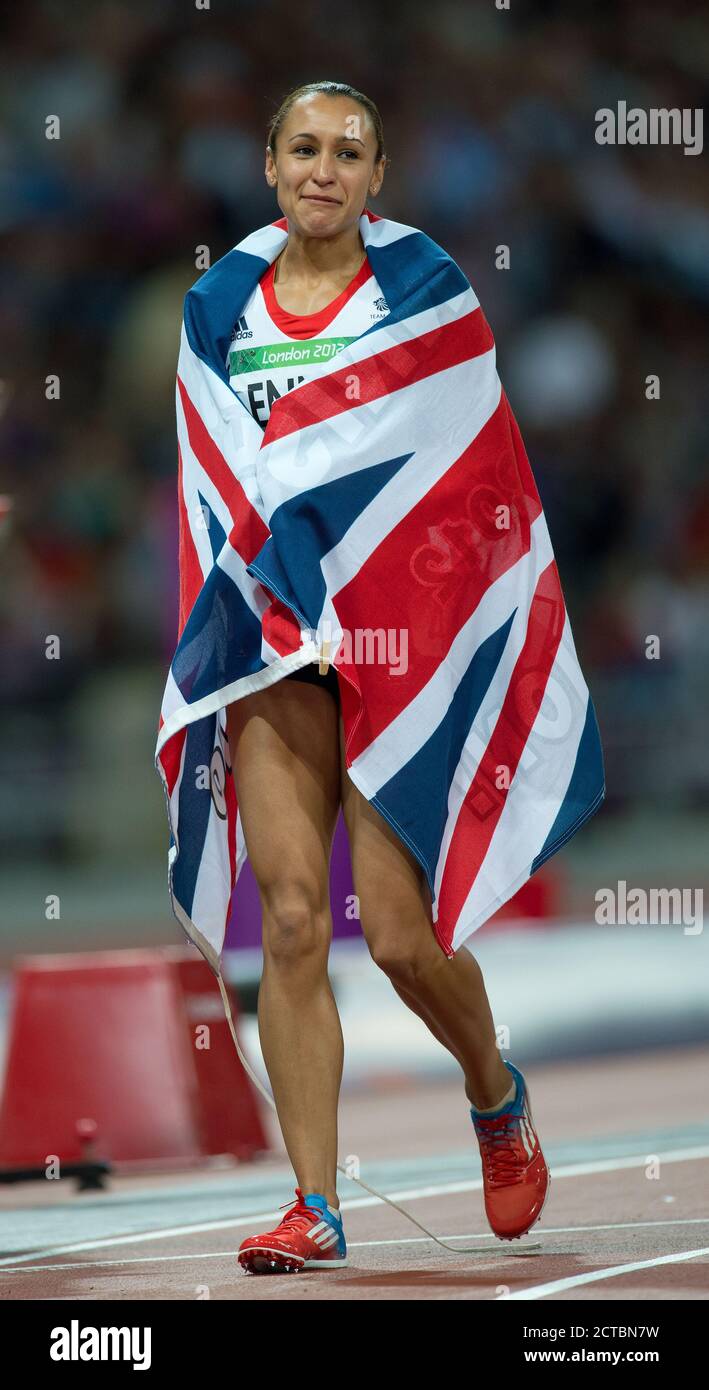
{"type": "Point", "coordinates": [273, 351]}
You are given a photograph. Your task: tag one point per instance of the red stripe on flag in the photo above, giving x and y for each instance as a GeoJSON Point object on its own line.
{"type": "Point", "coordinates": [170, 756]}
{"type": "Point", "coordinates": [379, 375]}
{"type": "Point", "coordinates": [484, 801]}
{"type": "Point", "coordinates": [190, 570]}
{"type": "Point", "coordinates": [445, 553]}
{"type": "Point", "coordinates": [281, 628]}
{"type": "Point", "coordinates": [249, 532]}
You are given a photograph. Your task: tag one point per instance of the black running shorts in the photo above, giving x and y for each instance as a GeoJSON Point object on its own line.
{"type": "Point", "coordinates": [311, 674]}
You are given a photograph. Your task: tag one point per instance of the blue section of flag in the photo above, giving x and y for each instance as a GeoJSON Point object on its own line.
{"type": "Point", "coordinates": [195, 805]}
{"type": "Point", "coordinates": [415, 274]}
{"type": "Point", "coordinates": [219, 639]}
{"type": "Point", "coordinates": [434, 765]}
{"type": "Point", "coordinates": [307, 527]}
{"type": "Point", "coordinates": [213, 527]}
{"type": "Point", "coordinates": [214, 304]}
{"type": "Point", "coordinates": [585, 791]}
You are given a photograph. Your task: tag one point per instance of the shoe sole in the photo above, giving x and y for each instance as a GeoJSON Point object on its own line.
{"type": "Point", "coordinates": [260, 1260]}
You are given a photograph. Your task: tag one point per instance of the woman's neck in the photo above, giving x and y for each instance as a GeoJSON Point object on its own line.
{"type": "Point", "coordinates": [304, 260]}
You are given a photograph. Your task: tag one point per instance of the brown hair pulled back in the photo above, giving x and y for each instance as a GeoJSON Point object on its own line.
{"type": "Point", "coordinates": [335, 89]}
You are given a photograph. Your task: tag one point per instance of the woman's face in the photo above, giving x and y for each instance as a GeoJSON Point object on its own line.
{"type": "Point", "coordinates": [325, 164]}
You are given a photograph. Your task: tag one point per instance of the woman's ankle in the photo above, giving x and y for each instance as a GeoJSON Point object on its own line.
{"type": "Point", "coordinates": [331, 1197]}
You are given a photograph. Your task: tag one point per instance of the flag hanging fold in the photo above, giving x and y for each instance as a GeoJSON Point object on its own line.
{"type": "Point", "coordinates": [387, 518]}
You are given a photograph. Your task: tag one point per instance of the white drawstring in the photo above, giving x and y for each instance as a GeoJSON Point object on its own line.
{"type": "Point", "coordinates": [455, 1249]}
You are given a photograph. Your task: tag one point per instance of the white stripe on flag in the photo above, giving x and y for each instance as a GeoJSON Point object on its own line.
{"type": "Point", "coordinates": [514, 588]}
{"type": "Point", "coordinates": [532, 804]}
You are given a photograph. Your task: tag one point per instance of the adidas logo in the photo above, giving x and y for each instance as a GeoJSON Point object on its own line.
{"type": "Point", "coordinates": [323, 1234]}
{"type": "Point", "coordinates": [242, 330]}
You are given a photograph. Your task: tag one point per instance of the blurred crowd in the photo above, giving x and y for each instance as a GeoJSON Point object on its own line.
{"type": "Point", "coordinates": [489, 121]}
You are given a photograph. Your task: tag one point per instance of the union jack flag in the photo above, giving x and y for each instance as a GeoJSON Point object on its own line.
{"type": "Point", "coordinates": [388, 518]}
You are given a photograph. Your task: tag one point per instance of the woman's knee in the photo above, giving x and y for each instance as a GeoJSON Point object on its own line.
{"type": "Point", "coordinates": [403, 957]}
{"type": "Point", "coordinates": [296, 920]}
{"type": "Point", "coordinates": [397, 924]}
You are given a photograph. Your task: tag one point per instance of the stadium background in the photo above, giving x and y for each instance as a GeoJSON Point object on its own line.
{"type": "Point", "coordinates": [489, 121]}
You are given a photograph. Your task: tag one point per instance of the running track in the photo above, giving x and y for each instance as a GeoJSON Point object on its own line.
{"type": "Point", "coordinates": [609, 1229]}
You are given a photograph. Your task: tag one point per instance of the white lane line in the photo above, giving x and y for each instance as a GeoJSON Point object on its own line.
{"type": "Point", "coordinates": [414, 1194]}
{"type": "Point", "coordinates": [365, 1244]}
{"type": "Point", "coordinates": [596, 1275]}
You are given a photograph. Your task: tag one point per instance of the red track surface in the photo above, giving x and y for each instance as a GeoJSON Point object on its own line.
{"type": "Point", "coordinates": [592, 1222]}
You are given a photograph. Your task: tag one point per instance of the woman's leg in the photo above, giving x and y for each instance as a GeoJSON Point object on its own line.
{"type": "Point", "coordinates": [395, 916]}
{"type": "Point", "coordinates": [284, 752]}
